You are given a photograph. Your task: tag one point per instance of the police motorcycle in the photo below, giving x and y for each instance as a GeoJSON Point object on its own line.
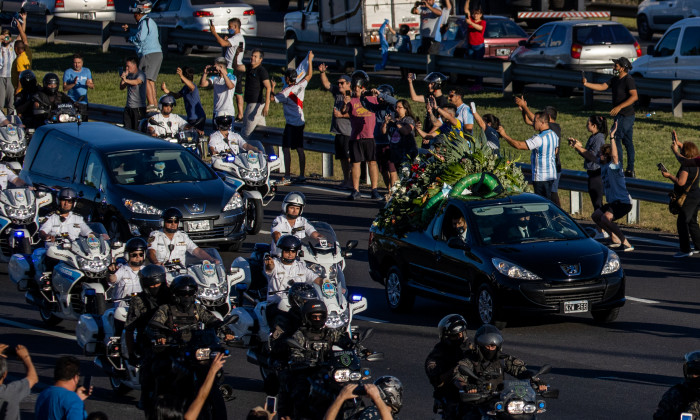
{"type": "Point", "coordinates": [511, 400]}
{"type": "Point", "coordinates": [19, 220]}
{"type": "Point", "coordinates": [249, 172]}
{"type": "Point", "coordinates": [64, 113]}
{"type": "Point", "coordinates": [13, 143]}
{"type": "Point", "coordinates": [215, 284]}
{"type": "Point", "coordinates": [186, 137]}
{"type": "Point", "coordinates": [77, 284]}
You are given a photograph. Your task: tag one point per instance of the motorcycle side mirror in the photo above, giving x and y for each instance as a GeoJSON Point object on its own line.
{"type": "Point", "coordinates": [352, 244]}
{"type": "Point", "coordinates": [300, 254]}
{"type": "Point", "coordinates": [458, 243]}
{"type": "Point", "coordinates": [230, 318]}
{"type": "Point", "coordinates": [550, 393]}
{"type": "Point", "coordinates": [294, 343]}
{"type": "Point", "coordinates": [466, 371]}
{"type": "Point", "coordinates": [153, 121]}
{"type": "Point", "coordinates": [366, 334]}
{"type": "Point", "coordinates": [117, 245]}
{"type": "Point", "coordinates": [375, 357]}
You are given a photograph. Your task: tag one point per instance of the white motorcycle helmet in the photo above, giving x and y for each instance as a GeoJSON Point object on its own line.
{"type": "Point", "coordinates": [166, 100]}
{"type": "Point", "coordinates": [294, 198]}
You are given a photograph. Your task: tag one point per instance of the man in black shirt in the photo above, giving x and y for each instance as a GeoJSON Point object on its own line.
{"type": "Point", "coordinates": [435, 81]}
{"type": "Point", "coordinates": [624, 95]}
{"type": "Point", "coordinates": [257, 105]}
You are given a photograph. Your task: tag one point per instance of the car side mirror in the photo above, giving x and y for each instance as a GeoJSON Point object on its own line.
{"type": "Point", "coordinates": [522, 43]}
{"type": "Point", "coordinates": [458, 243]}
{"type": "Point", "coordinates": [651, 50]}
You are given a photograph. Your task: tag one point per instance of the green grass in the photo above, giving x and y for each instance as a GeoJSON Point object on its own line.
{"type": "Point", "coordinates": [651, 134]}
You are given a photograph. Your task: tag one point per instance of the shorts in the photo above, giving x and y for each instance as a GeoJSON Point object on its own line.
{"type": "Point", "coordinates": [238, 90]}
{"type": "Point", "coordinates": [150, 65]}
{"type": "Point", "coordinates": [363, 150]}
{"type": "Point", "coordinates": [555, 185]}
{"type": "Point", "coordinates": [342, 147]}
{"type": "Point", "coordinates": [293, 136]}
{"type": "Point", "coordinates": [384, 162]}
{"type": "Point", "coordinates": [617, 208]}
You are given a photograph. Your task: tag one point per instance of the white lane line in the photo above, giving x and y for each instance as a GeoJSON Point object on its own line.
{"type": "Point", "coordinates": [332, 190]}
{"type": "Point", "coordinates": [634, 299]}
{"type": "Point", "coordinates": [368, 319]}
{"type": "Point", "coordinates": [264, 232]}
{"type": "Point", "coordinates": [36, 329]}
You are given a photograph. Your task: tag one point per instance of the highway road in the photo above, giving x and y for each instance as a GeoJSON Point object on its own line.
{"type": "Point", "coordinates": [616, 371]}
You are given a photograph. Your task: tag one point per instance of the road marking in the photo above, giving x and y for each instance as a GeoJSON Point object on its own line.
{"type": "Point", "coordinates": [264, 232]}
{"type": "Point", "coordinates": [332, 190]}
{"type": "Point", "coordinates": [653, 241]}
{"type": "Point", "coordinates": [36, 329]}
{"type": "Point", "coordinates": [372, 320]}
{"type": "Point", "coordinates": [634, 299]}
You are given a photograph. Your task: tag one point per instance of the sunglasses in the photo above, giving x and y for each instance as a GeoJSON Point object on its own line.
{"type": "Point", "coordinates": [173, 221]}
{"type": "Point", "coordinates": [342, 82]}
{"type": "Point", "coordinates": [136, 254]}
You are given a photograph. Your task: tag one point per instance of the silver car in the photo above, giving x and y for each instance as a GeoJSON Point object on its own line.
{"type": "Point", "coordinates": [578, 45]}
{"type": "Point", "coordinates": [73, 9]}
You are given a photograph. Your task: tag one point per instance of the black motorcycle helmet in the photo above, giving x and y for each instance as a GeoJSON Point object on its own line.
{"type": "Point", "coordinates": [49, 79]}
{"type": "Point", "coordinates": [299, 294]}
{"type": "Point", "coordinates": [359, 79]}
{"type": "Point", "coordinates": [166, 100]}
{"type": "Point", "coordinates": [151, 275]}
{"type": "Point", "coordinates": [453, 328]}
{"type": "Point", "coordinates": [488, 335]}
{"type": "Point", "coordinates": [314, 314]}
{"type": "Point", "coordinates": [692, 367]}
{"type": "Point", "coordinates": [184, 289]}
{"type": "Point", "coordinates": [27, 79]}
{"type": "Point", "coordinates": [391, 391]}
{"type": "Point", "coordinates": [169, 214]}
{"type": "Point", "coordinates": [386, 89]}
{"type": "Point", "coordinates": [133, 245]}
{"type": "Point", "coordinates": [288, 243]}
{"type": "Point", "coordinates": [223, 122]}
{"type": "Point", "coordinates": [436, 78]}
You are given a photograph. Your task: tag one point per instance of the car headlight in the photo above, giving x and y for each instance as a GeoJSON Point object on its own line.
{"type": "Point", "coordinates": [341, 375]}
{"type": "Point", "coordinates": [96, 265]}
{"type": "Point", "coordinates": [512, 270]}
{"type": "Point", "coordinates": [235, 202]}
{"type": "Point", "coordinates": [139, 207]}
{"type": "Point", "coordinates": [612, 264]}
{"type": "Point", "coordinates": [202, 354]}
{"type": "Point", "coordinates": [515, 407]}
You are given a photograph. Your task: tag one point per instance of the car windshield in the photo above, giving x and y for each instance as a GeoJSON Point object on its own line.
{"type": "Point", "coordinates": [602, 35]}
{"type": "Point", "coordinates": [524, 222]}
{"type": "Point", "coordinates": [503, 28]}
{"type": "Point", "coordinates": [147, 167]}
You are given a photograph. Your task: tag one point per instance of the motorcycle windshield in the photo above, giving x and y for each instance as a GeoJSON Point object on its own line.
{"type": "Point", "coordinates": [328, 243]}
{"type": "Point", "coordinates": [250, 159]}
{"type": "Point", "coordinates": [517, 389]}
{"type": "Point", "coordinates": [193, 260]}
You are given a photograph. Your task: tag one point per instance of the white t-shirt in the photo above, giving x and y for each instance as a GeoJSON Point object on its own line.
{"type": "Point", "coordinates": [127, 284]}
{"type": "Point", "coordinates": [234, 142]}
{"type": "Point", "coordinates": [74, 226]}
{"type": "Point", "coordinates": [302, 228]}
{"type": "Point", "coordinates": [278, 281]}
{"type": "Point", "coordinates": [223, 96]}
{"type": "Point", "coordinates": [292, 99]}
{"type": "Point", "coordinates": [231, 51]}
{"type": "Point", "coordinates": [465, 116]}
{"type": "Point", "coordinates": [6, 175]}
{"type": "Point", "coordinates": [176, 123]}
{"type": "Point", "coordinates": [159, 242]}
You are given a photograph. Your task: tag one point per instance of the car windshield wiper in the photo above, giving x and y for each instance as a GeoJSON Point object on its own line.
{"type": "Point", "coordinates": [163, 182]}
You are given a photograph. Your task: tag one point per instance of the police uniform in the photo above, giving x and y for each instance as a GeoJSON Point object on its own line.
{"type": "Point", "coordinates": [278, 281]}
{"type": "Point", "coordinates": [73, 225]}
{"type": "Point", "coordinates": [234, 142]}
{"type": "Point", "coordinates": [302, 228]}
{"type": "Point", "coordinates": [491, 371]}
{"type": "Point", "coordinates": [160, 243]}
{"type": "Point", "coordinates": [176, 123]}
{"type": "Point", "coordinates": [171, 317]}
{"type": "Point", "coordinates": [6, 175]}
{"type": "Point", "coordinates": [127, 284]}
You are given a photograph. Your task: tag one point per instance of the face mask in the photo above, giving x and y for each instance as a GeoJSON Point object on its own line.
{"type": "Point", "coordinates": [489, 354]}
{"type": "Point", "coordinates": [232, 32]}
{"type": "Point", "coordinates": [153, 291]}
{"type": "Point", "coordinates": [460, 230]}
{"type": "Point", "coordinates": [185, 302]}
{"type": "Point", "coordinates": [135, 263]}
{"type": "Point", "coordinates": [522, 222]}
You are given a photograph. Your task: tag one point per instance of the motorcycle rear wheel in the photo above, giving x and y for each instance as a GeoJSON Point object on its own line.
{"type": "Point", "coordinates": [49, 319]}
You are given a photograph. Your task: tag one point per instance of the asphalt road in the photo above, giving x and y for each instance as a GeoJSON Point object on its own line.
{"type": "Point", "coordinates": [603, 372]}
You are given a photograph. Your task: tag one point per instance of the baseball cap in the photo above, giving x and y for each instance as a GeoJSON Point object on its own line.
{"type": "Point", "coordinates": [623, 62]}
{"type": "Point", "coordinates": [346, 78]}
{"type": "Point", "coordinates": [221, 60]}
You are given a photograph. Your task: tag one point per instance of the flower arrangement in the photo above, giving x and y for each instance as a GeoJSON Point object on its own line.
{"type": "Point", "coordinates": [455, 166]}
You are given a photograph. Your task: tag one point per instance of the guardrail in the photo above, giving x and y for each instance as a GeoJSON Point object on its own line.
{"type": "Point", "coordinates": [574, 181]}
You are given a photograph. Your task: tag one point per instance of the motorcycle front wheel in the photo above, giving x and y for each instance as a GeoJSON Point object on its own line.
{"type": "Point", "coordinates": [48, 318]}
{"type": "Point", "coordinates": [253, 216]}
{"type": "Point", "coordinates": [118, 386]}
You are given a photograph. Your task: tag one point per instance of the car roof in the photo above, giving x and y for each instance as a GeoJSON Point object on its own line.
{"type": "Point", "coordinates": [693, 21]}
{"type": "Point", "coordinates": [503, 199]}
{"type": "Point", "coordinates": [107, 137]}
{"type": "Point", "coordinates": [584, 22]}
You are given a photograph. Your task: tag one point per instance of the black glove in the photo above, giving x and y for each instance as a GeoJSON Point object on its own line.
{"type": "Point", "coordinates": [133, 359]}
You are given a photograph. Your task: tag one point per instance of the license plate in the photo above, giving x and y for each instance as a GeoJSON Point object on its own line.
{"type": "Point", "coordinates": [88, 16]}
{"type": "Point", "coordinates": [198, 225]}
{"type": "Point", "coordinates": [575, 306]}
{"type": "Point", "coordinates": [503, 51]}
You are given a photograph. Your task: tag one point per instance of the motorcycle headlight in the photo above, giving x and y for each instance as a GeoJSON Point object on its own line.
{"type": "Point", "coordinates": [66, 118]}
{"type": "Point", "coordinates": [213, 292]}
{"type": "Point", "coordinates": [513, 271]}
{"type": "Point", "coordinates": [139, 207]}
{"type": "Point", "coordinates": [612, 264]}
{"type": "Point", "coordinates": [515, 407]}
{"type": "Point", "coordinates": [251, 175]}
{"type": "Point", "coordinates": [202, 354]}
{"type": "Point", "coordinates": [19, 213]}
{"type": "Point", "coordinates": [96, 265]}
{"type": "Point", "coordinates": [335, 320]}
{"type": "Point", "coordinates": [12, 147]}
{"type": "Point", "coordinates": [529, 408]}
{"type": "Point", "coordinates": [341, 375]}
{"type": "Point", "coordinates": [236, 202]}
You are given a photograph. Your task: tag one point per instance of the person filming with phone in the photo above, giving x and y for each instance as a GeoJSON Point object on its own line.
{"type": "Point", "coordinates": [65, 399]}
{"type": "Point", "coordinates": [11, 394]}
{"type": "Point", "coordinates": [685, 184]}
{"type": "Point", "coordinates": [386, 393]}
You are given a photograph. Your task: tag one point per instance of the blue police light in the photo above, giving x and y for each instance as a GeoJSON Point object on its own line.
{"type": "Point", "coordinates": [272, 158]}
{"type": "Point", "coordinates": [356, 298]}
{"type": "Point", "coordinates": [226, 352]}
{"type": "Point", "coordinates": [365, 372]}
{"type": "Point", "coordinates": [187, 354]}
{"type": "Point", "coordinates": [230, 158]}
{"type": "Point", "coordinates": [540, 404]}
{"type": "Point", "coordinates": [90, 292]}
{"type": "Point", "coordinates": [19, 234]}
{"type": "Point", "coordinates": [499, 406]}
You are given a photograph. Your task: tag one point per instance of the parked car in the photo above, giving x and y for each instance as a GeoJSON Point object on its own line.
{"type": "Point", "coordinates": [125, 179]}
{"type": "Point", "coordinates": [196, 15]}
{"type": "Point", "coordinates": [675, 56]}
{"type": "Point", "coordinates": [73, 9]}
{"type": "Point", "coordinates": [659, 15]}
{"type": "Point", "coordinates": [555, 268]}
{"type": "Point", "coordinates": [502, 36]}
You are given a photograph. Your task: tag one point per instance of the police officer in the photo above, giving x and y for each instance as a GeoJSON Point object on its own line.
{"type": "Point", "coordinates": [683, 397]}
{"type": "Point", "coordinates": [125, 279]}
{"type": "Point", "coordinates": [291, 222]}
{"type": "Point", "coordinates": [8, 175]}
{"type": "Point", "coordinates": [225, 140]}
{"type": "Point", "coordinates": [64, 221]}
{"type": "Point", "coordinates": [48, 98]}
{"type": "Point", "coordinates": [453, 346]}
{"type": "Point", "coordinates": [167, 123]}
{"type": "Point", "coordinates": [170, 244]}
{"type": "Point", "coordinates": [24, 104]}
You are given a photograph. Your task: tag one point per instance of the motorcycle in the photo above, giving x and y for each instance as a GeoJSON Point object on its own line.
{"type": "Point", "coordinates": [512, 400]}
{"type": "Point", "coordinates": [249, 172]}
{"type": "Point", "coordinates": [77, 284]}
{"type": "Point", "coordinates": [214, 291]}
{"type": "Point", "coordinates": [65, 113]}
{"type": "Point", "coordinates": [19, 220]}
{"type": "Point", "coordinates": [13, 143]}
{"type": "Point", "coordinates": [187, 137]}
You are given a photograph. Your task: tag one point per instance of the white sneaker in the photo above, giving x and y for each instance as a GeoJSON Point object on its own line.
{"type": "Point", "coordinates": [601, 235]}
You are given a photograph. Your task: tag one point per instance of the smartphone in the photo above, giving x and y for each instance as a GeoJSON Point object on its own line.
{"type": "Point", "coordinates": [121, 71]}
{"type": "Point", "coordinates": [686, 416]}
{"type": "Point", "coordinates": [674, 136]}
{"type": "Point", "coordinates": [10, 352]}
{"type": "Point", "coordinates": [87, 382]}
{"type": "Point", "coordinates": [413, 76]}
{"type": "Point", "coordinates": [271, 404]}
{"type": "Point", "coordinates": [211, 22]}
{"type": "Point", "coordinates": [240, 45]}
{"type": "Point", "coordinates": [661, 167]}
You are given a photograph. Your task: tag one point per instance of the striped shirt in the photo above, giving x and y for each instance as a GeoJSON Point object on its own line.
{"type": "Point", "coordinates": [464, 115]}
{"type": "Point", "coordinates": [543, 146]}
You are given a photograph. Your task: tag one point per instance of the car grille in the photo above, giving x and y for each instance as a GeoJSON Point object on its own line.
{"type": "Point", "coordinates": [555, 296]}
{"type": "Point", "coordinates": [592, 296]}
{"type": "Point", "coordinates": [218, 232]}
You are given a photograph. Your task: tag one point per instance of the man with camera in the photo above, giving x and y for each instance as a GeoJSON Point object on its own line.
{"type": "Point", "coordinates": [231, 43]}
{"type": "Point", "coordinates": [429, 25]}
{"type": "Point", "coordinates": [11, 394]}
{"type": "Point", "coordinates": [223, 82]}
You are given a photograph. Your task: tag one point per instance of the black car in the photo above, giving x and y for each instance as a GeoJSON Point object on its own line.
{"type": "Point", "coordinates": [518, 254]}
{"type": "Point", "coordinates": [126, 179]}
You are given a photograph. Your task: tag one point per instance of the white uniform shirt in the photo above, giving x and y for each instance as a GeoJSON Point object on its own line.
{"type": "Point", "coordinates": [292, 99]}
{"type": "Point", "coordinates": [231, 51]}
{"type": "Point", "coordinates": [160, 243]}
{"type": "Point", "coordinates": [127, 284]}
{"type": "Point", "coordinates": [176, 123]}
{"type": "Point", "coordinates": [74, 226]}
{"type": "Point", "coordinates": [278, 281]}
{"type": "Point", "coordinates": [6, 174]}
{"type": "Point", "coordinates": [302, 228]}
{"type": "Point", "coordinates": [234, 142]}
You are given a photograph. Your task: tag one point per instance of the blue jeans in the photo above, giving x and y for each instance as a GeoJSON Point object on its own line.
{"type": "Point", "coordinates": [476, 52]}
{"type": "Point", "coordinates": [623, 136]}
{"type": "Point", "coordinates": [543, 188]}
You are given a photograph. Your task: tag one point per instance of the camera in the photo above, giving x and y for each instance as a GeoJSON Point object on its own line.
{"type": "Point", "coordinates": [661, 167]}
{"type": "Point", "coordinates": [10, 352]}
{"type": "Point", "coordinates": [360, 390]}
{"type": "Point", "coordinates": [212, 70]}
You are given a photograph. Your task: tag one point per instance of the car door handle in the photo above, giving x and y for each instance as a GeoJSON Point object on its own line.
{"type": "Point", "coordinates": [438, 256]}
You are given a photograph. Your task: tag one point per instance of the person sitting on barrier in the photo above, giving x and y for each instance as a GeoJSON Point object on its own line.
{"type": "Point", "coordinates": [166, 124]}
{"type": "Point", "coordinates": [189, 93]}
{"type": "Point", "coordinates": [225, 140]}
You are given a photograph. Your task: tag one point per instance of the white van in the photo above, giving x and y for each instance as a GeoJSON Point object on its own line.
{"type": "Point", "coordinates": [658, 15]}
{"type": "Point", "coordinates": [676, 56]}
